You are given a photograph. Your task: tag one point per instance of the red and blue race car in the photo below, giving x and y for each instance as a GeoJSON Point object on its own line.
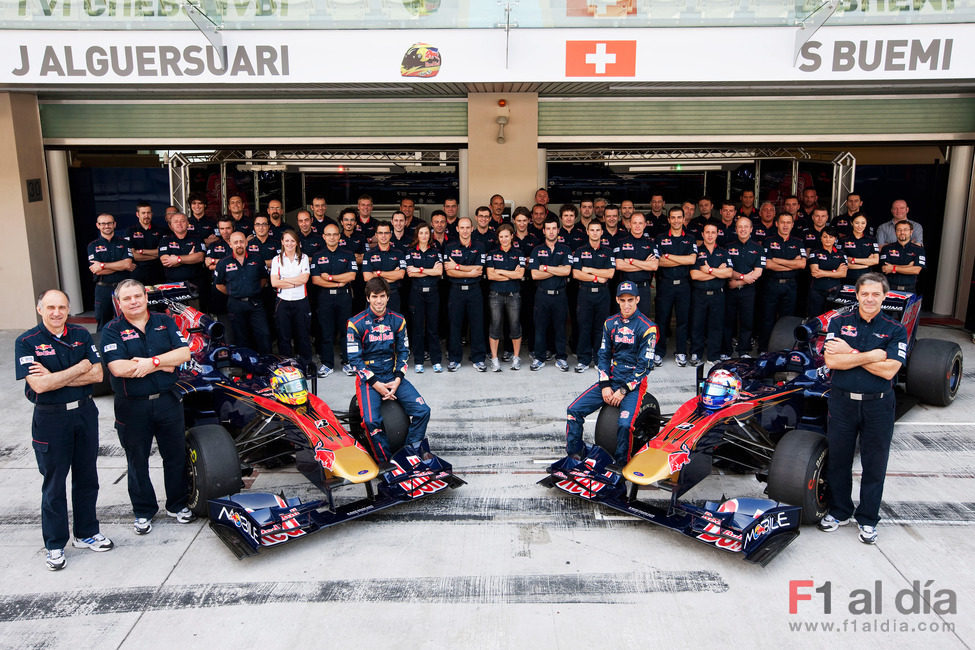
{"type": "Point", "coordinates": [765, 416]}
{"type": "Point", "coordinates": [245, 410]}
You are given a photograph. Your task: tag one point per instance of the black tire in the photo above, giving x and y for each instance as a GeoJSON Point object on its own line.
{"type": "Point", "coordinates": [934, 371]}
{"type": "Point", "coordinates": [104, 387]}
{"type": "Point", "coordinates": [797, 475]}
{"type": "Point", "coordinates": [783, 336]}
{"type": "Point", "coordinates": [396, 423]}
{"type": "Point", "coordinates": [606, 423]}
{"type": "Point", "coordinates": [213, 465]}
{"type": "Point", "coordinates": [646, 424]}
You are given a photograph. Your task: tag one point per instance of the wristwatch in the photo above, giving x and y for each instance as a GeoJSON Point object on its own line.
{"type": "Point", "coordinates": [155, 361]}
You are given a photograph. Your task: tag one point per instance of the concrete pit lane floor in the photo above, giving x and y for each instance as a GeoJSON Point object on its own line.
{"type": "Point", "coordinates": [500, 562]}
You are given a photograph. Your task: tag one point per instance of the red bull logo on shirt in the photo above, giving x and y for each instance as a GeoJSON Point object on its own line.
{"type": "Point", "coordinates": [381, 333]}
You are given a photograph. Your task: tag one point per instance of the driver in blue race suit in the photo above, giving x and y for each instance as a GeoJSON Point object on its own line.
{"type": "Point", "coordinates": [624, 363]}
{"type": "Point", "coordinates": [378, 349]}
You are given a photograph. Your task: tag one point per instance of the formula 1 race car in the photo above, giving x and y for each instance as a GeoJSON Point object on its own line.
{"type": "Point", "coordinates": [244, 409]}
{"type": "Point", "coordinates": [765, 416]}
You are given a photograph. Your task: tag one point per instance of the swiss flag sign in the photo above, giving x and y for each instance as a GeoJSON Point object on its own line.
{"type": "Point", "coordinates": [600, 58]}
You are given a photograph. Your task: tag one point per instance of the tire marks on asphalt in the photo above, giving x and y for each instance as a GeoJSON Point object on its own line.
{"type": "Point", "coordinates": [504, 589]}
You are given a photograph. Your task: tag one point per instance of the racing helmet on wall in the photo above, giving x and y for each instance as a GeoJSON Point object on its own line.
{"type": "Point", "coordinates": [721, 388]}
{"type": "Point", "coordinates": [289, 386]}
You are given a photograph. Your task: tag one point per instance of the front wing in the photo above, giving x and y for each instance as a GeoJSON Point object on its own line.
{"type": "Point", "coordinates": [759, 540]}
{"type": "Point", "coordinates": [248, 522]}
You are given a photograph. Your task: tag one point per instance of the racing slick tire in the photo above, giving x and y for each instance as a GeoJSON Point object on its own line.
{"type": "Point", "coordinates": [934, 371]}
{"type": "Point", "coordinates": [797, 474]}
{"type": "Point", "coordinates": [396, 423]}
{"type": "Point", "coordinates": [606, 424]}
{"type": "Point", "coordinates": [783, 336]}
{"type": "Point", "coordinates": [213, 465]}
{"type": "Point", "coordinates": [645, 425]}
{"type": "Point", "coordinates": [104, 387]}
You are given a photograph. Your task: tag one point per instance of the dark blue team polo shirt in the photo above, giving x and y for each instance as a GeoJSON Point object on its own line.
{"type": "Point", "coordinates": [355, 242]}
{"type": "Point", "coordinates": [424, 260]}
{"type": "Point", "coordinates": [746, 257]}
{"type": "Point", "coordinates": [114, 250]}
{"type": "Point", "coordinates": [336, 262]}
{"type": "Point", "coordinates": [714, 259]}
{"type": "Point", "coordinates": [668, 244]}
{"type": "Point", "coordinates": [266, 249]}
{"type": "Point", "coordinates": [573, 239]}
{"type": "Point", "coordinates": [826, 260]}
{"type": "Point", "coordinates": [471, 255]}
{"type": "Point", "coordinates": [636, 249]}
{"type": "Point", "coordinates": [310, 243]}
{"type": "Point", "coordinates": [122, 340]}
{"type": "Point", "coordinates": [242, 279]}
{"type": "Point", "coordinates": [545, 256]}
{"type": "Point", "coordinates": [501, 260]}
{"type": "Point", "coordinates": [898, 255]}
{"type": "Point", "coordinates": [596, 258]}
{"type": "Point", "coordinates": [391, 259]}
{"type": "Point", "coordinates": [55, 353]}
{"type": "Point", "coordinates": [861, 335]}
{"type": "Point", "coordinates": [784, 249]}
{"type": "Point", "coordinates": [173, 245]}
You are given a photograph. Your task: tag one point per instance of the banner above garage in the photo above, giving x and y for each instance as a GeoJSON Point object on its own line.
{"type": "Point", "coordinates": [874, 53]}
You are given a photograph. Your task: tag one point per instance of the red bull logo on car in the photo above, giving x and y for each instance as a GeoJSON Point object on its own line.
{"type": "Point", "coordinates": [678, 459]}
{"type": "Point", "coordinates": [324, 456]}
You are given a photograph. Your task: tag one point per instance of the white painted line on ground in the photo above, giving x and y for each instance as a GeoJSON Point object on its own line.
{"type": "Point", "coordinates": [935, 424]}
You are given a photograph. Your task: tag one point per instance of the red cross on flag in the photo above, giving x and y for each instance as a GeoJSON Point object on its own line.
{"type": "Point", "coordinates": [600, 58]}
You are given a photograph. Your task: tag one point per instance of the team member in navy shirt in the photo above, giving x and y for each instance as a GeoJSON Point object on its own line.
{"type": "Point", "coordinates": [593, 267]}
{"type": "Point", "coordinates": [464, 262]}
{"type": "Point", "coordinates": [332, 270]}
{"type": "Point", "coordinates": [708, 277]}
{"type": "Point", "coordinates": [748, 262]}
{"type": "Point", "coordinates": [143, 238]}
{"type": "Point", "coordinates": [624, 363]}
{"type": "Point", "coordinates": [241, 277]}
{"type": "Point", "coordinates": [311, 241]}
{"type": "Point", "coordinates": [505, 269]}
{"type": "Point", "coordinates": [785, 257]}
{"type": "Point", "coordinates": [550, 264]}
{"type": "Point", "coordinates": [180, 253]}
{"type": "Point", "coordinates": [902, 260]}
{"type": "Point", "coordinates": [385, 261]}
{"type": "Point", "coordinates": [110, 261]}
{"type": "Point", "coordinates": [424, 266]}
{"type": "Point", "coordinates": [861, 250]}
{"type": "Point", "coordinates": [59, 362]}
{"type": "Point", "coordinates": [827, 266]}
{"type": "Point", "coordinates": [677, 253]}
{"type": "Point", "coordinates": [262, 243]}
{"type": "Point", "coordinates": [864, 351]}
{"type": "Point", "coordinates": [636, 260]}
{"type": "Point", "coordinates": [143, 351]}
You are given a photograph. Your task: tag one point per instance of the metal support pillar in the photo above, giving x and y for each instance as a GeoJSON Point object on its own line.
{"type": "Point", "coordinates": [57, 179]}
{"type": "Point", "coordinates": [953, 229]}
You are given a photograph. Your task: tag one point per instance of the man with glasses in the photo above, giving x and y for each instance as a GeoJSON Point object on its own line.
{"type": "Point", "coordinates": [110, 261]}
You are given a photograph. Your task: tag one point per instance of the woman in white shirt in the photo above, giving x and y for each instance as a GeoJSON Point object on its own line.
{"type": "Point", "coordinates": [292, 311]}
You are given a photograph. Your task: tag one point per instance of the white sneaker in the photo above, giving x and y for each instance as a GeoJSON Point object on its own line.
{"type": "Point", "coordinates": [324, 371]}
{"type": "Point", "coordinates": [55, 559]}
{"type": "Point", "coordinates": [681, 359]}
{"type": "Point", "coordinates": [184, 516]}
{"type": "Point", "coordinates": [348, 369]}
{"type": "Point", "coordinates": [496, 364]}
{"type": "Point", "coordinates": [829, 523]}
{"type": "Point", "coordinates": [418, 368]}
{"type": "Point", "coordinates": [658, 360]}
{"type": "Point", "coordinates": [96, 542]}
{"type": "Point", "coordinates": [437, 367]}
{"type": "Point", "coordinates": [868, 534]}
{"type": "Point", "coordinates": [142, 526]}
{"type": "Point", "coordinates": [516, 363]}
